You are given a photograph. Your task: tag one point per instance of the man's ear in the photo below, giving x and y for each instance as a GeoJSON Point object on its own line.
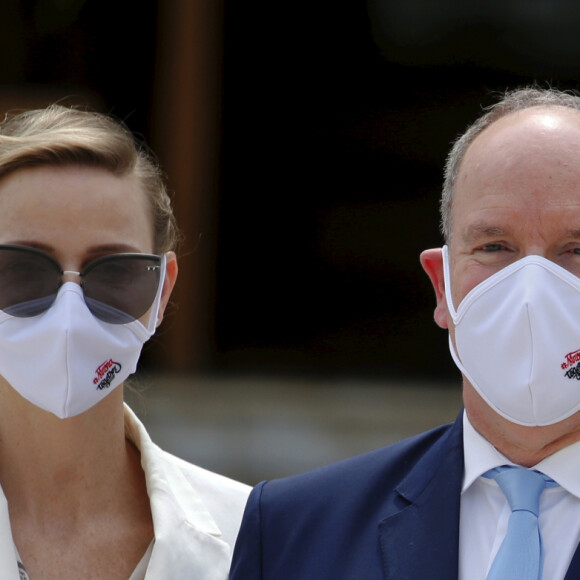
{"type": "Point", "coordinates": [432, 262]}
{"type": "Point", "coordinates": [168, 283]}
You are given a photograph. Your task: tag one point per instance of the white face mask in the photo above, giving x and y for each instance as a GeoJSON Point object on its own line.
{"type": "Point", "coordinates": [517, 340]}
{"type": "Point", "coordinates": [65, 360]}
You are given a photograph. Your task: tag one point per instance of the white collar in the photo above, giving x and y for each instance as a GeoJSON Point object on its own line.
{"type": "Point", "coordinates": [480, 456]}
{"type": "Point", "coordinates": [167, 477]}
{"type": "Point", "coordinates": [188, 542]}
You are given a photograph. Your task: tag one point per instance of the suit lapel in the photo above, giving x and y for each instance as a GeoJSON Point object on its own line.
{"type": "Point", "coordinates": [420, 537]}
{"type": "Point", "coordinates": [574, 569]}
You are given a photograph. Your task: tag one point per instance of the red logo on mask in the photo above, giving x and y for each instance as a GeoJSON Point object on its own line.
{"type": "Point", "coordinates": [105, 374]}
{"type": "Point", "coordinates": [571, 358]}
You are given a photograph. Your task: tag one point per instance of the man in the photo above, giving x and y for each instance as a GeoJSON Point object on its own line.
{"type": "Point", "coordinates": [507, 289]}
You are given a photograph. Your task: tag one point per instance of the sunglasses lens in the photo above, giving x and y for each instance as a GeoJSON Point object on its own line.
{"type": "Point", "coordinates": [121, 288]}
{"type": "Point", "coordinates": [117, 289]}
{"type": "Point", "coordinates": [29, 281]}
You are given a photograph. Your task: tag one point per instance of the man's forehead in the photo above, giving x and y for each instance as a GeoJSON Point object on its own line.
{"type": "Point", "coordinates": [532, 140]}
{"type": "Point", "coordinates": [539, 119]}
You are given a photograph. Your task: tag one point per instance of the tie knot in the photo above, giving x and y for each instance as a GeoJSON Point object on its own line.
{"type": "Point", "coordinates": [522, 487]}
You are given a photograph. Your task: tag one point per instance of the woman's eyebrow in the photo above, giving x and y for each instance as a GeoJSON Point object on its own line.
{"type": "Point", "coordinates": [113, 249]}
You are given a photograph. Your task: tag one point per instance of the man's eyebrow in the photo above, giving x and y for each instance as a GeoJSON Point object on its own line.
{"type": "Point", "coordinates": [474, 232]}
{"type": "Point", "coordinates": [574, 233]}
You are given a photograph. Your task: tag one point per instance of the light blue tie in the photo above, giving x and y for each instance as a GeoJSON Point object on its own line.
{"type": "Point", "coordinates": [520, 555]}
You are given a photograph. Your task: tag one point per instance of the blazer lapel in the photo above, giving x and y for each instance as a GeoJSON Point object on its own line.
{"type": "Point", "coordinates": [420, 538]}
{"type": "Point", "coordinates": [188, 542]}
{"type": "Point", "coordinates": [574, 569]}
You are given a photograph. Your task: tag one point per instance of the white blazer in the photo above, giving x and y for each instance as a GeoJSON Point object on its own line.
{"type": "Point", "coordinates": [196, 515]}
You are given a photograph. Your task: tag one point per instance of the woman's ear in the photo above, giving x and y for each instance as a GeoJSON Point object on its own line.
{"type": "Point", "coordinates": [432, 262]}
{"type": "Point", "coordinates": [168, 284]}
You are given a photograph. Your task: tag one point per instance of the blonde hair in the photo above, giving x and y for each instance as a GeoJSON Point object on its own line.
{"type": "Point", "coordinates": [61, 136]}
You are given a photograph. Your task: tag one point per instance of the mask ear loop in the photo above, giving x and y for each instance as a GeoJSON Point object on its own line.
{"type": "Point", "coordinates": [152, 323]}
{"type": "Point", "coordinates": [447, 282]}
{"type": "Point", "coordinates": [454, 316]}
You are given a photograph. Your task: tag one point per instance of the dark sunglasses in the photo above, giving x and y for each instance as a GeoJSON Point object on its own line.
{"type": "Point", "coordinates": [118, 288]}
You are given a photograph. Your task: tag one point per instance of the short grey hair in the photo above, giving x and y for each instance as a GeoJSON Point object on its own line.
{"type": "Point", "coordinates": [511, 102]}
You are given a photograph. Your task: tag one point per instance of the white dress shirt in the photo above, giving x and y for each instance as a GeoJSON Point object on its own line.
{"type": "Point", "coordinates": [485, 510]}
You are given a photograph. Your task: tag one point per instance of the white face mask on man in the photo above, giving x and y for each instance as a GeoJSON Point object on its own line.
{"type": "Point", "coordinates": [517, 340]}
{"type": "Point", "coordinates": [65, 360]}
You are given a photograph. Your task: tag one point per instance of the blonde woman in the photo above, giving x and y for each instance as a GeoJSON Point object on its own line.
{"type": "Point", "coordinates": [87, 266]}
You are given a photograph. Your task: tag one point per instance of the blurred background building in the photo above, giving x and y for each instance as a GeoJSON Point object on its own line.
{"type": "Point", "coordinates": [304, 144]}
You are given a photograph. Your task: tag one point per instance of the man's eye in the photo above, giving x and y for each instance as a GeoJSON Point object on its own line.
{"type": "Point", "coordinates": [576, 251]}
{"type": "Point", "coordinates": [492, 247]}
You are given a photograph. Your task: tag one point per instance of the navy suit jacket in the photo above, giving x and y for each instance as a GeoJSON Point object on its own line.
{"type": "Point", "coordinates": [391, 514]}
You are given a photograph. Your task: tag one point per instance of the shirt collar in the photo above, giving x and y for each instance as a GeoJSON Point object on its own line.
{"type": "Point", "coordinates": [480, 456]}
{"type": "Point", "coordinates": [478, 453]}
